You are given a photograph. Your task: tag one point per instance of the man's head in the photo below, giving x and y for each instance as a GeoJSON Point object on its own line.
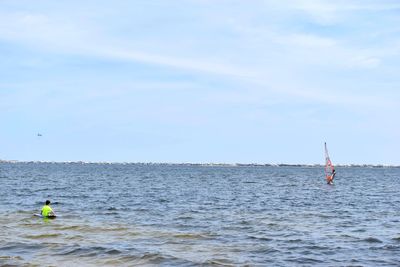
{"type": "Point", "coordinates": [47, 202]}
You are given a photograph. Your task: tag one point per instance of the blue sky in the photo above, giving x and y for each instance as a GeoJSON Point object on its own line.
{"type": "Point", "coordinates": [200, 81]}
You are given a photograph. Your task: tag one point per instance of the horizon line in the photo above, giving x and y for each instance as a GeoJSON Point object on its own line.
{"type": "Point", "coordinates": [238, 164]}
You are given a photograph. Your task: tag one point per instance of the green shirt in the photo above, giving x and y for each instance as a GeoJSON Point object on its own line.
{"type": "Point", "coordinates": [46, 210]}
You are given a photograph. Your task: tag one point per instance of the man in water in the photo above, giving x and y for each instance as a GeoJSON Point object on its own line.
{"type": "Point", "coordinates": [329, 178]}
{"type": "Point", "coordinates": [47, 211]}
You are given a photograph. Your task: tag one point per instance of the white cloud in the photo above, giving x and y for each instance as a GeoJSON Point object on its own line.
{"type": "Point", "coordinates": [331, 12]}
{"type": "Point", "coordinates": [297, 50]}
{"type": "Point", "coordinates": [57, 35]}
{"type": "Point", "coordinates": [364, 61]}
{"type": "Point", "coordinates": [309, 40]}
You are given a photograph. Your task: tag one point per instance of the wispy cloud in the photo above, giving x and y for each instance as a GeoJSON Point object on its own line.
{"type": "Point", "coordinates": [296, 48]}
{"type": "Point", "coordinates": [49, 34]}
{"type": "Point", "coordinates": [331, 12]}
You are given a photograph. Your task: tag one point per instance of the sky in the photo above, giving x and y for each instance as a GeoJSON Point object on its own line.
{"type": "Point", "coordinates": [200, 81]}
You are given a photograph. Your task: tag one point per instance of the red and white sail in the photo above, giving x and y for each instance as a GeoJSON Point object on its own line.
{"type": "Point", "coordinates": [328, 164]}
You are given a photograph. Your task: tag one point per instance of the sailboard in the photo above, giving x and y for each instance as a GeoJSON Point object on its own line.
{"type": "Point", "coordinates": [329, 168]}
{"type": "Point", "coordinates": [41, 216]}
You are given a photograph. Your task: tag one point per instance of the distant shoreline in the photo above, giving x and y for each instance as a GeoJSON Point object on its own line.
{"type": "Point", "coordinates": [202, 164]}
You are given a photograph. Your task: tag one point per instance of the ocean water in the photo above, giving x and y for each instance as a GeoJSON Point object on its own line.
{"type": "Point", "coordinates": [181, 215]}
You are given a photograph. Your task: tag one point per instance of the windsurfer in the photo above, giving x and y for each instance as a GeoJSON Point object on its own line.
{"type": "Point", "coordinates": [329, 178]}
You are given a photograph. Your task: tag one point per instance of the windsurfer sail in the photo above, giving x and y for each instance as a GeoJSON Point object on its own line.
{"type": "Point", "coordinates": [329, 168]}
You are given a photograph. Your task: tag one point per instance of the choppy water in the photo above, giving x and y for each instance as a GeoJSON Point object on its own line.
{"type": "Point", "coordinates": [175, 215]}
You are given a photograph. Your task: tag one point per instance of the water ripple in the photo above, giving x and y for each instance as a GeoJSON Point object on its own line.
{"type": "Point", "coordinates": [171, 215]}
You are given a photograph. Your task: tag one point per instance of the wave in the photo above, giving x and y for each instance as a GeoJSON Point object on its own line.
{"type": "Point", "coordinates": [191, 236]}
{"type": "Point", "coordinates": [148, 259]}
{"type": "Point", "coordinates": [220, 262]}
{"type": "Point", "coordinates": [41, 236]}
{"type": "Point", "coordinates": [89, 251]}
{"type": "Point", "coordinates": [372, 240]}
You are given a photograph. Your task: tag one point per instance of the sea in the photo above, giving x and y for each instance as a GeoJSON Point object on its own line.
{"type": "Point", "coordinates": [114, 214]}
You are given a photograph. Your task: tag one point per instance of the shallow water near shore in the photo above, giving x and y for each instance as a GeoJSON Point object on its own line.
{"type": "Point", "coordinates": [182, 215]}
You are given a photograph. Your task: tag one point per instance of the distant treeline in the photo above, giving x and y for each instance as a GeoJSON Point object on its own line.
{"type": "Point", "coordinates": [206, 164]}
